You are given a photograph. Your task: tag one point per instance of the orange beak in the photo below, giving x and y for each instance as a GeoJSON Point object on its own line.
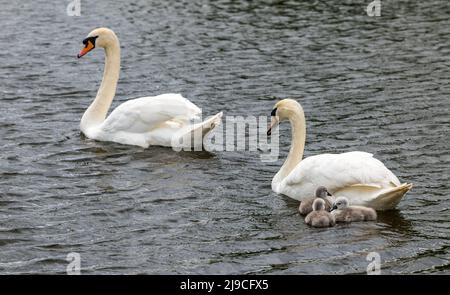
{"type": "Point", "coordinates": [89, 46]}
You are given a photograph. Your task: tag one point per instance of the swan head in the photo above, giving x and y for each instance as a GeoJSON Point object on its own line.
{"type": "Point", "coordinates": [101, 37]}
{"type": "Point", "coordinates": [318, 205]}
{"type": "Point", "coordinates": [283, 111]}
{"type": "Point", "coordinates": [340, 203]}
{"type": "Point", "coordinates": [322, 192]}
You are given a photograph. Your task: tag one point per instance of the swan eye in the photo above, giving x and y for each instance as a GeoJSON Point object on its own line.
{"type": "Point", "coordinates": [90, 39]}
{"type": "Point", "coordinates": [274, 112]}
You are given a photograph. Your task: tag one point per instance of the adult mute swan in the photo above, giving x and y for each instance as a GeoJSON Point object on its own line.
{"type": "Point", "coordinates": [163, 120]}
{"type": "Point", "coordinates": [363, 179]}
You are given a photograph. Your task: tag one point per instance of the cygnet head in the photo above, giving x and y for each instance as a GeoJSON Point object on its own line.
{"type": "Point", "coordinates": [322, 192]}
{"type": "Point", "coordinates": [101, 37]}
{"type": "Point", "coordinates": [340, 203]}
{"type": "Point", "coordinates": [318, 205]}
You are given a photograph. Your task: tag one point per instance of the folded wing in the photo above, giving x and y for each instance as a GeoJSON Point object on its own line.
{"type": "Point", "coordinates": [338, 172]}
{"type": "Point", "coordinates": [144, 114]}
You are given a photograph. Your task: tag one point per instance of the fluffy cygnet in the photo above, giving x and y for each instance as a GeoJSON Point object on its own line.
{"type": "Point", "coordinates": [345, 213]}
{"type": "Point", "coordinates": [321, 192]}
{"type": "Point", "coordinates": [319, 217]}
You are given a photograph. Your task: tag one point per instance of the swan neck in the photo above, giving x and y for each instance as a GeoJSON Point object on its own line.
{"type": "Point", "coordinates": [298, 130]}
{"type": "Point", "coordinates": [97, 111]}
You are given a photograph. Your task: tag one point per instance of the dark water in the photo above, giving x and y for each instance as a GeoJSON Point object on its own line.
{"type": "Point", "coordinates": [378, 84]}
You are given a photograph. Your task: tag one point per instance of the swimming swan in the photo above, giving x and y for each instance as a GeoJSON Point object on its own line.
{"type": "Point", "coordinates": [363, 179]}
{"type": "Point", "coordinates": [163, 120]}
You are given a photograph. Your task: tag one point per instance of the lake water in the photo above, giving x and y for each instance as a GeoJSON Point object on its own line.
{"type": "Point", "coordinates": [377, 84]}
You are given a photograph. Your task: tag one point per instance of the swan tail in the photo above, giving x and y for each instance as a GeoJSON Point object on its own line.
{"type": "Point", "coordinates": [192, 137]}
{"type": "Point", "coordinates": [389, 199]}
{"type": "Point", "coordinates": [209, 124]}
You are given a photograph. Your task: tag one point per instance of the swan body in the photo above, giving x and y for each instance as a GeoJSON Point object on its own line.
{"type": "Point", "coordinates": [164, 120]}
{"type": "Point", "coordinates": [364, 180]}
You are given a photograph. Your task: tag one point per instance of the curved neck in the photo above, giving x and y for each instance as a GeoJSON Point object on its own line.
{"type": "Point", "coordinates": [96, 113]}
{"type": "Point", "coordinates": [298, 129]}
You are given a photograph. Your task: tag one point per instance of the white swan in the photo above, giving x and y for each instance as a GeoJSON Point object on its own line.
{"type": "Point", "coordinates": [363, 179]}
{"type": "Point", "coordinates": [163, 120]}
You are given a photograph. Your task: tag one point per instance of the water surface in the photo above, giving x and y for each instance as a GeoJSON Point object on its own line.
{"type": "Point", "coordinates": [378, 84]}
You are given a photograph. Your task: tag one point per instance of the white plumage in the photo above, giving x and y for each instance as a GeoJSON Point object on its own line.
{"type": "Point", "coordinates": [145, 121]}
{"type": "Point", "coordinates": [358, 176]}
{"type": "Point", "coordinates": [165, 120]}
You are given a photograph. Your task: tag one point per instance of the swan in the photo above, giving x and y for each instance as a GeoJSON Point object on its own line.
{"type": "Point", "coordinates": [163, 120]}
{"type": "Point", "coordinates": [321, 192]}
{"type": "Point", "coordinates": [358, 175]}
{"type": "Point", "coordinates": [345, 213]}
{"type": "Point", "coordinates": [319, 217]}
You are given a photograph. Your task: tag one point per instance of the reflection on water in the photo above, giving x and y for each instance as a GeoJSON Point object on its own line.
{"type": "Point", "coordinates": [395, 220]}
{"type": "Point", "coordinates": [375, 84]}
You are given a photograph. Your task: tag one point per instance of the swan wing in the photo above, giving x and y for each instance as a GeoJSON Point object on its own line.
{"type": "Point", "coordinates": [353, 171]}
{"type": "Point", "coordinates": [144, 114]}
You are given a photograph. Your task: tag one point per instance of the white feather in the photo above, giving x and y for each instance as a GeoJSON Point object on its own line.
{"type": "Point", "coordinates": [158, 120]}
{"type": "Point", "coordinates": [358, 176]}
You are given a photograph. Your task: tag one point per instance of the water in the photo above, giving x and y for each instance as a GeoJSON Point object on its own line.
{"type": "Point", "coordinates": [375, 84]}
